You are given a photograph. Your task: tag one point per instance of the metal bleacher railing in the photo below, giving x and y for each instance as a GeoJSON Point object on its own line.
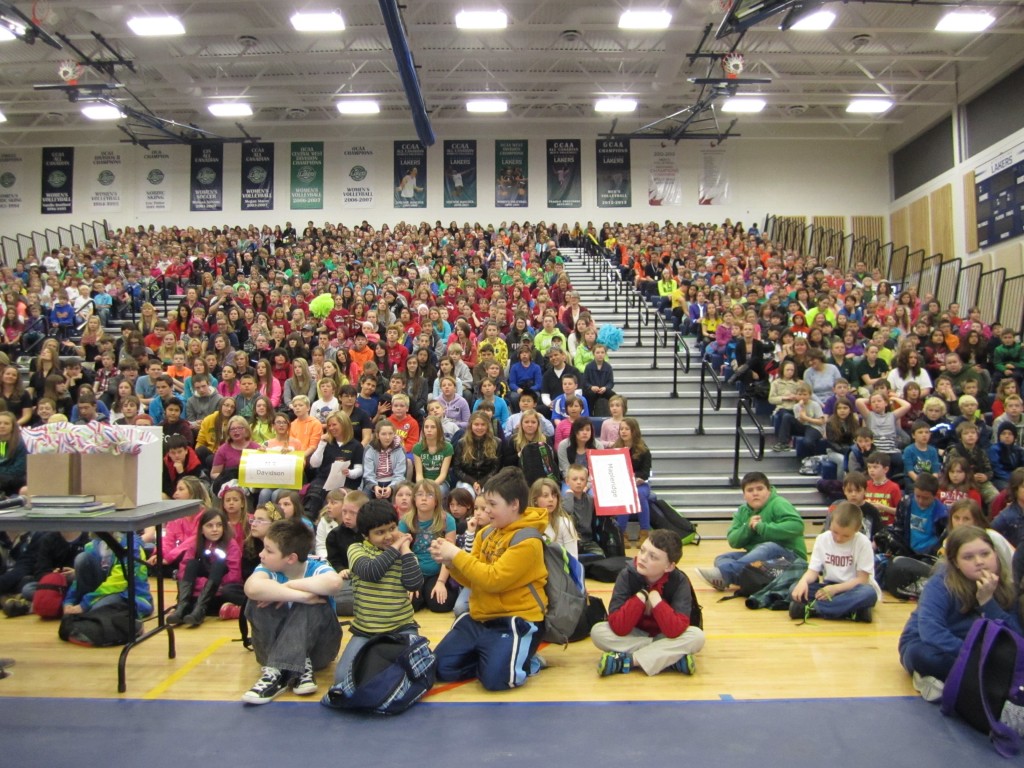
{"type": "Point", "coordinates": [14, 248]}
{"type": "Point", "coordinates": [999, 298]}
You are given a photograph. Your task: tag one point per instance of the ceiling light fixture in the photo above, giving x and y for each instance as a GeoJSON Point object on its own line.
{"type": "Point", "coordinates": [615, 106]}
{"type": "Point", "coordinates": [102, 112]}
{"type": "Point", "coordinates": [487, 106]}
{"type": "Point", "coordinates": [965, 21]}
{"type": "Point", "coordinates": [230, 109]}
{"type": "Point", "coordinates": [871, 106]}
{"type": "Point", "coordinates": [3, 117]}
{"type": "Point", "coordinates": [156, 26]}
{"type": "Point", "coordinates": [6, 34]}
{"type": "Point", "coordinates": [645, 19]}
{"type": "Point", "coordinates": [745, 105]}
{"type": "Point", "coordinates": [479, 20]}
{"type": "Point", "coordinates": [359, 107]}
{"type": "Point", "coordinates": [318, 21]}
{"type": "Point", "coordinates": [814, 22]}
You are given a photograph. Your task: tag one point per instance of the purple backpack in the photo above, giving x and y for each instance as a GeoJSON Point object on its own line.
{"type": "Point", "coordinates": [988, 674]}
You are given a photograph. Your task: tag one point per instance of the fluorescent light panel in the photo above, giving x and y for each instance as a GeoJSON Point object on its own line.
{"type": "Point", "coordinates": [640, 19]}
{"type": "Point", "coordinates": [359, 107]}
{"type": "Point", "coordinates": [156, 26]}
{"type": "Point", "coordinates": [102, 112]}
{"type": "Point", "coordinates": [318, 21]}
{"type": "Point", "coordinates": [869, 106]}
{"type": "Point", "coordinates": [965, 21]}
{"type": "Point", "coordinates": [3, 117]}
{"type": "Point", "coordinates": [615, 105]}
{"type": "Point", "coordinates": [230, 109]}
{"type": "Point", "coordinates": [815, 22]}
{"type": "Point", "coordinates": [6, 34]}
{"type": "Point", "coordinates": [743, 105]}
{"type": "Point", "coordinates": [481, 20]}
{"type": "Point", "coordinates": [487, 106]}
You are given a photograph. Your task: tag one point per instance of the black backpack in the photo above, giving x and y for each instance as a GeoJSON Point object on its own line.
{"type": "Point", "coordinates": [388, 675]}
{"type": "Point", "coordinates": [101, 627]}
{"type": "Point", "coordinates": [664, 515]}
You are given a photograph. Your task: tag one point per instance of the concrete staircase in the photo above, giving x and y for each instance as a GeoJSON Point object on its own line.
{"type": "Point", "coordinates": [691, 471]}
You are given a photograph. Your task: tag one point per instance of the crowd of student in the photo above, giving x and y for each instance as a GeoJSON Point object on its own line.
{"type": "Point", "coordinates": [457, 381]}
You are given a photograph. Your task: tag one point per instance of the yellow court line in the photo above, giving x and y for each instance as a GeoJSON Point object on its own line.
{"type": "Point", "coordinates": [161, 688]}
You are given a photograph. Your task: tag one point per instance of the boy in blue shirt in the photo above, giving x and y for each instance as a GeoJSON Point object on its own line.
{"type": "Point", "coordinates": [913, 540]}
{"type": "Point", "coordinates": [920, 457]}
{"type": "Point", "coordinates": [62, 316]}
{"type": "Point", "coordinates": [291, 609]}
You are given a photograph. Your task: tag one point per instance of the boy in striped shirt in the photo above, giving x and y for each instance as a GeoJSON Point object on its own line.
{"type": "Point", "coordinates": [384, 571]}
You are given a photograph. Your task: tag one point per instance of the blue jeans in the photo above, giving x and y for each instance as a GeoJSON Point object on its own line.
{"type": "Point", "coordinates": [731, 563]}
{"type": "Point", "coordinates": [842, 605]}
{"type": "Point", "coordinates": [643, 492]}
{"type": "Point", "coordinates": [930, 660]}
{"type": "Point", "coordinates": [497, 652]}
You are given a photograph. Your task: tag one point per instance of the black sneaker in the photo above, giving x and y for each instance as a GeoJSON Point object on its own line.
{"type": "Point", "coordinates": [304, 683]}
{"type": "Point", "coordinates": [272, 683]}
{"type": "Point", "coordinates": [863, 615]}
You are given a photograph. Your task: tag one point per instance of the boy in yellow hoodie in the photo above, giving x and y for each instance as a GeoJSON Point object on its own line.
{"type": "Point", "coordinates": [497, 640]}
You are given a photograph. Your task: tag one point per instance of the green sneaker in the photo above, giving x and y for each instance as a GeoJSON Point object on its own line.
{"type": "Point", "coordinates": [687, 665]}
{"type": "Point", "coordinates": [613, 663]}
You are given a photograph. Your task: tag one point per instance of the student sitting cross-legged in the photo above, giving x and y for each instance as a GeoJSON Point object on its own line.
{"type": "Point", "coordinates": [291, 609]}
{"type": "Point", "coordinates": [840, 578]}
{"type": "Point", "coordinates": [766, 526]}
{"type": "Point", "coordinates": [497, 640]}
{"type": "Point", "coordinates": [649, 620]}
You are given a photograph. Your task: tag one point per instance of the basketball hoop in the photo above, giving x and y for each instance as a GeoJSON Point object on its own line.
{"type": "Point", "coordinates": [732, 65]}
{"type": "Point", "coordinates": [40, 13]}
{"type": "Point", "coordinates": [70, 71]}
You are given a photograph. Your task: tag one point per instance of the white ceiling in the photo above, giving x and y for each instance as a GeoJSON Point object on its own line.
{"type": "Point", "coordinates": [553, 61]}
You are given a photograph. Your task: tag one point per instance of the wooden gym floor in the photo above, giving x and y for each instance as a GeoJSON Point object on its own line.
{"type": "Point", "coordinates": [750, 655]}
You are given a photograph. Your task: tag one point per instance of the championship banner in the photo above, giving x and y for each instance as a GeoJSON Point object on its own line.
{"type": "Point", "coordinates": [206, 181]}
{"type": "Point", "coordinates": [614, 188]}
{"type": "Point", "coordinates": [614, 484]}
{"type": "Point", "coordinates": [511, 173]}
{"type": "Point", "coordinates": [713, 183]}
{"type": "Point", "coordinates": [12, 181]}
{"type": "Point", "coordinates": [58, 179]}
{"type": "Point", "coordinates": [410, 175]}
{"type": "Point", "coordinates": [564, 184]}
{"type": "Point", "coordinates": [359, 176]}
{"type": "Point", "coordinates": [663, 185]}
{"type": "Point", "coordinates": [258, 177]}
{"type": "Point", "coordinates": [307, 174]}
{"type": "Point", "coordinates": [104, 169]}
{"type": "Point", "coordinates": [154, 179]}
{"type": "Point", "coordinates": [460, 174]}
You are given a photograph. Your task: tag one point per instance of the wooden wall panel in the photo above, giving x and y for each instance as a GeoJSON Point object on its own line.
{"type": "Point", "coordinates": [970, 214]}
{"type": "Point", "coordinates": [941, 204]}
{"type": "Point", "coordinates": [869, 227]}
{"type": "Point", "coordinates": [835, 223]}
{"type": "Point", "coordinates": [899, 227]}
{"type": "Point", "coordinates": [920, 231]}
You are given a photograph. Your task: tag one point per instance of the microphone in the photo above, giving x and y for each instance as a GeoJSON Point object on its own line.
{"type": "Point", "coordinates": [11, 502]}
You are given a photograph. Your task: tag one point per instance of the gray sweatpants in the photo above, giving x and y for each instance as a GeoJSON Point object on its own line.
{"type": "Point", "coordinates": [651, 654]}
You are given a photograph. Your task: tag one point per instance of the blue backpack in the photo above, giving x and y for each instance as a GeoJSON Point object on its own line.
{"type": "Point", "coordinates": [388, 675]}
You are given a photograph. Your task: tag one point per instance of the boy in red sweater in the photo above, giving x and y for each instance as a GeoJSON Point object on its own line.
{"type": "Point", "coordinates": [654, 622]}
{"type": "Point", "coordinates": [883, 493]}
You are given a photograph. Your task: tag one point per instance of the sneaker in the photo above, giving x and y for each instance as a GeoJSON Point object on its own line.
{"type": "Point", "coordinates": [272, 683]}
{"type": "Point", "coordinates": [230, 612]}
{"type": "Point", "coordinates": [305, 683]}
{"type": "Point", "coordinates": [537, 663]}
{"type": "Point", "coordinates": [863, 615]}
{"type": "Point", "coordinates": [613, 662]}
{"type": "Point", "coordinates": [796, 610]}
{"type": "Point", "coordinates": [713, 576]}
{"type": "Point", "coordinates": [929, 687]}
{"type": "Point", "coordinates": [17, 606]}
{"type": "Point", "coordinates": [687, 665]}
{"type": "Point", "coordinates": [779, 447]}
